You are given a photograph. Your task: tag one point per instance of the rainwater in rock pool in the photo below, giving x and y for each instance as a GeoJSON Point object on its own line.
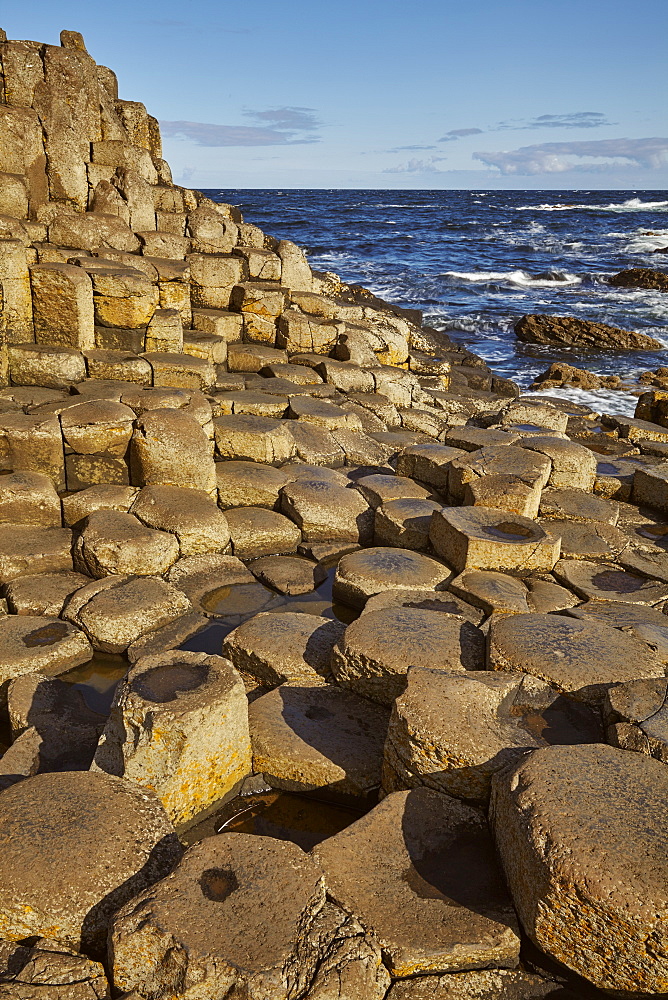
{"type": "Point", "coordinates": [476, 261]}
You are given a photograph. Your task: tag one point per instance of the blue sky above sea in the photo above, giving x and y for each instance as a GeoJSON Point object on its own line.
{"type": "Point", "coordinates": [432, 94]}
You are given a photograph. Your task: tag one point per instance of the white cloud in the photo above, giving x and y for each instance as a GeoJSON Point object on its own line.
{"type": "Point", "coordinates": [415, 166]}
{"type": "Point", "coordinates": [277, 127]}
{"type": "Point", "coordinates": [596, 155]}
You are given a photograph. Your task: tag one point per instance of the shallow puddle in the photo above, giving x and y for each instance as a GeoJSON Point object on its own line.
{"type": "Point", "coordinates": [303, 819]}
{"type": "Point", "coordinates": [237, 603]}
{"type": "Point", "coordinates": [97, 680]}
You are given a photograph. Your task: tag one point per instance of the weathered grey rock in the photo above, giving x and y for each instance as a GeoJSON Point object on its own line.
{"type": "Point", "coordinates": [353, 966]}
{"type": "Point", "coordinates": [576, 505]}
{"type": "Point", "coordinates": [581, 837]}
{"type": "Point", "coordinates": [635, 716]}
{"type": "Point", "coordinates": [325, 511]}
{"type": "Point", "coordinates": [453, 732]}
{"type": "Point", "coordinates": [374, 655]}
{"type": "Point", "coordinates": [50, 970]}
{"type": "Point", "coordinates": [160, 440]}
{"type": "Point", "coordinates": [288, 574]}
{"type": "Point", "coordinates": [608, 582]}
{"type": "Point", "coordinates": [591, 540]}
{"type": "Point", "coordinates": [253, 438]}
{"type": "Point", "coordinates": [362, 574]}
{"type": "Point", "coordinates": [283, 647]}
{"type": "Point", "coordinates": [29, 498]}
{"type": "Point", "coordinates": [491, 539]}
{"type": "Point", "coordinates": [308, 737]}
{"type": "Point", "coordinates": [39, 644]}
{"type": "Point", "coordinates": [505, 492]}
{"type": "Point", "coordinates": [567, 331]}
{"type": "Point", "coordinates": [581, 659]}
{"type": "Point", "coordinates": [112, 543]}
{"type": "Point", "coordinates": [167, 637]}
{"type": "Point", "coordinates": [532, 468]}
{"type": "Point", "coordinates": [47, 822]}
{"type": "Point", "coordinates": [404, 523]}
{"type": "Point", "coordinates": [118, 610]}
{"type": "Point", "coordinates": [68, 730]}
{"type": "Point", "coordinates": [256, 531]}
{"type": "Point", "coordinates": [490, 984]}
{"type": "Point", "coordinates": [641, 277]}
{"type": "Point", "coordinates": [647, 624]}
{"type": "Point", "coordinates": [179, 726]}
{"type": "Point", "coordinates": [43, 593]}
{"type": "Point", "coordinates": [189, 514]}
{"type": "Point", "coordinates": [248, 484]}
{"type": "Point", "coordinates": [237, 913]}
{"type": "Point", "coordinates": [418, 872]}
{"type": "Point", "coordinates": [200, 577]}
{"type": "Point", "coordinates": [428, 463]}
{"type": "Point", "coordinates": [79, 505]}
{"type": "Point", "coordinates": [26, 549]}
{"type": "Point", "coordinates": [425, 600]}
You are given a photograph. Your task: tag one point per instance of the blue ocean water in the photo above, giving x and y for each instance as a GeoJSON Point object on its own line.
{"type": "Point", "coordinates": [476, 261]}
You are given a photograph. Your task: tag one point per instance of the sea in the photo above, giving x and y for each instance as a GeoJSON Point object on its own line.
{"type": "Point", "coordinates": [476, 261]}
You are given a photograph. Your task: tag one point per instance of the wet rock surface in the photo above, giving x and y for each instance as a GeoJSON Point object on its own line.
{"type": "Point", "coordinates": [274, 552]}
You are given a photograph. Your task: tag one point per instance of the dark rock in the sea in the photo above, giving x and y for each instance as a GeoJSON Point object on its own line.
{"type": "Point", "coordinates": [660, 250]}
{"type": "Point", "coordinates": [566, 331]}
{"type": "Point", "coordinates": [642, 277]}
{"type": "Point", "coordinates": [558, 375]}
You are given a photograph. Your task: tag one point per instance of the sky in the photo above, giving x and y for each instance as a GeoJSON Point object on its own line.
{"type": "Point", "coordinates": [435, 94]}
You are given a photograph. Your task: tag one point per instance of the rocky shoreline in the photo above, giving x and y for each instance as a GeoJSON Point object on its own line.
{"type": "Point", "coordinates": [448, 781]}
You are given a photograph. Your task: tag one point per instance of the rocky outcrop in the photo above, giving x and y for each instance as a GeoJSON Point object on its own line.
{"type": "Point", "coordinates": [558, 375]}
{"type": "Point", "coordinates": [642, 277]}
{"type": "Point", "coordinates": [566, 331]}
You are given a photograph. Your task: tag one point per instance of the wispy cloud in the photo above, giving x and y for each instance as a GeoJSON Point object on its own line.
{"type": "Point", "coordinates": [284, 127]}
{"type": "Point", "coordinates": [415, 166]}
{"type": "Point", "coordinates": [401, 149]}
{"type": "Point", "coordinates": [571, 119]}
{"type": "Point", "coordinates": [596, 155]}
{"type": "Point", "coordinates": [459, 133]}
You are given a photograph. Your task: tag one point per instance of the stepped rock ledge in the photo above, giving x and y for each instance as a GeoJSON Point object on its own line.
{"type": "Point", "coordinates": [389, 641]}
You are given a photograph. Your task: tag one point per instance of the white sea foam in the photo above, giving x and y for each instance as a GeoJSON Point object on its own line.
{"type": "Point", "coordinates": [600, 400]}
{"type": "Point", "coordinates": [631, 205]}
{"type": "Point", "coordinates": [551, 279]}
{"type": "Point", "coordinates": [642, 240]}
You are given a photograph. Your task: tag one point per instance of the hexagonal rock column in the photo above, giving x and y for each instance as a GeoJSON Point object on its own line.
{"type": "Point", "coordinates": [453, 732]}
{"type": "Point", "coordinates": [636, 716]}
{"type": "Point", "coordinates": [179, 726]}
{"type": "Point", "coordinates": [581, 833]}
{"type": "Point", "coordinates": [49, 971]}
{"type": "Point", "coordinates": [36, 644]}
{"type": "Point", "coordinates": [308, 737]}
{"type": "Point", "coordinates": [256, 439]}
{"type": "Point", "coordinates": [170, 448]}
{"type": "Point", "coordinates": [580, 658]}
{"type": "Point", "coordinates": [325, 511]}
{"type": "Point", "coordinates": [29, 498]}
{"type": "Point", "coordinates": [199, 525]}
{"type": "Point", "coordinates": [112, 542]}
{"type": "Point", "coordinates": [236, 915]}
{"type": "Point", "coordinates": [488, 538]}
{"type": "Point", "coordinates": [373, 656]}
{"type": "Point", "coordinates": [47, 824]}
{"type": "Point", "coordinates": [489, 984]}
{"type": "Point", "coordinates": [363, 574]}
{"type": "Point", "coordinates": [283, 647]}
{"type": "Point", "coordinates": [419, 873]}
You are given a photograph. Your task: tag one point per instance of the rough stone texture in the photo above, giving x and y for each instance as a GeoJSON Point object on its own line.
{"type": "Point", "coordinates": [491, 539]}
{"type": "Point", "coordinates": [252, 438]}
{"type": "Point", "coordinates": [189, 514]}
{"type": "Point", "coordinates": [641, 277]}
{"type": "Point", "coordinates": [373, 656]}
{"type": "Point", "coordinates": [283, 647]}
{"type": "Point", "coordinates": [362, 574]}
{"type": "Point", "coordinates": [248, 484]}
{"type": "Point", "coordinates": [453, 732]}
{"type": "Point", "coordinates": [51, 971]}
{"type": "Point", "coordinates": [325, 511]}
{"type": "Point", "coordinates": [607, 581]}
{"type": "Point", "coordinates": [491, 984]}
{"type": "Point", "coordinates": [160, 440]}
{"type": "Point", "coordinates": [179, 726]}
{"type": "Point", "coordinates": [27, 549]}
{"type": "Point", "coordinates": [255, 531]}
{"type": "Point", "coordinates": [79, 505]}
{"type": "Point", "coordinates": [580, 658]}
{"type": "Point", "coordinates": [29, 498]}
{"type": "Point", "coordinates": [426, 600]}
{"type": "Point", "coordinates": [288, 574]}
{"type": "Point", "coordinates": [419, 873]}
{"type": "Point", "coordinates": [308, 737]}
{"type": "Point", "coordinates": [39, 644]}
{"type": "Point", "coordinates": [566, 331]}
{"type": "Point", "coordinates": [238, 913]}
{"type": "Point", "coordinates": [47, 824]}
{"type": "Point", "coordinates": [111, 543]}
{"type": "Point", "coordinates": [588, 878]}
{"type": "Point", "coordinates": [43, 593]}
{"type": "Point", "coordinates": [118, 610]}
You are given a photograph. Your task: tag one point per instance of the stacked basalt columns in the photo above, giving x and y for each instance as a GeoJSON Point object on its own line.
{"type": "Point", "coordinates": [191, 420]}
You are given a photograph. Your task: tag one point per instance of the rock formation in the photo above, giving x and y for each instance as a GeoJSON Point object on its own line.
{"type": "Point", "coordinates": [327, 553]}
